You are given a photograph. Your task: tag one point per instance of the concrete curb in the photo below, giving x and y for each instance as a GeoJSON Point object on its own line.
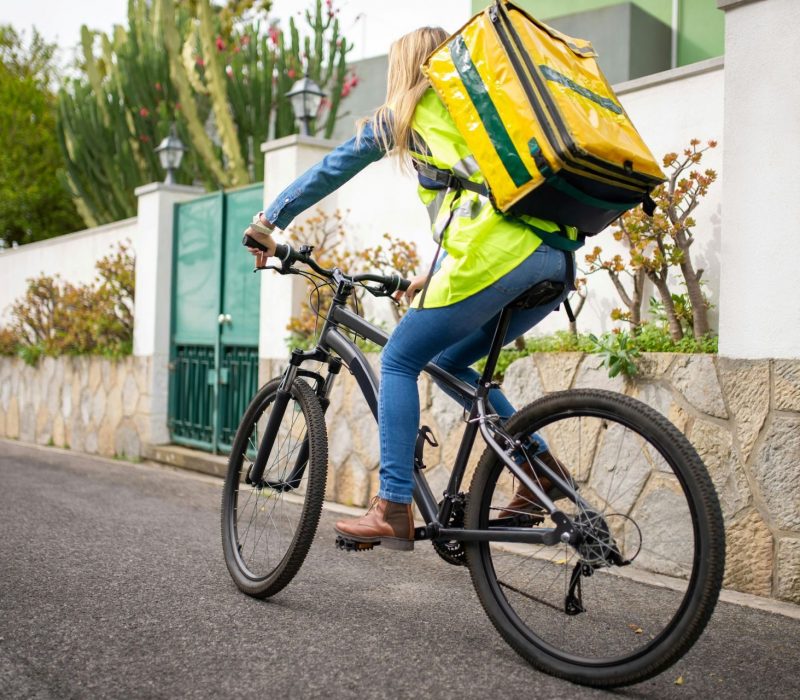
{"type": "Point", "coordinates": [185, 458]}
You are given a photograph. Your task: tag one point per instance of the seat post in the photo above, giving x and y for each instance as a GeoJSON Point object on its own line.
{"type": "Point", "coordinates": [497, 345]}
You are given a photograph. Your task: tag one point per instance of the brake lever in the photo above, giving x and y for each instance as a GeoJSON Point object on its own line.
{"type": "Point", "coordinates": [376, 291]}
{"type": "Point", "coordinates": [267, 267]}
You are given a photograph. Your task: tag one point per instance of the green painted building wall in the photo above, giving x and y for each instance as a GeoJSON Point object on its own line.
{"type": "Point", "coordinates": [701, 27]}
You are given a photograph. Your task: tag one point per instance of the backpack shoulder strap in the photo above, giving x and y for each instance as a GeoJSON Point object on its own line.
{"type": "Point", "coordinates": [448, 178]}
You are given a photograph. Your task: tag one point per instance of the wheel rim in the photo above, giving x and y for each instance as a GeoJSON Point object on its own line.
{"type": "Point", "coordinates": [631, 483]}
{"type": "Point", "coordinates": [264, 521]}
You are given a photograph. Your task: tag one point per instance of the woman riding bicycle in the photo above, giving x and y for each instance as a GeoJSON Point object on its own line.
{"type": "Point", "coordinates": [490, 260]}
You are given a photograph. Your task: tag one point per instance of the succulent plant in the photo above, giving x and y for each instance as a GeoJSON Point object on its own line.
{"type": "Point", "coordinates": [222, 82]}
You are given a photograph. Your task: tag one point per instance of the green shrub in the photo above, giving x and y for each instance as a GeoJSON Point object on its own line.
{"type": "Point", "coordinates": [58, 318]}
{"type": "Point", "coordinates": [653, 338]}
{"type": "Point", "coordinates": [9, 342]}
{"type": "Point", "coordinates": [560, 341]}
{"type": "Point", "coordinates": [619, 352]}
{"type": "Point", "coordinates": [619, 349]}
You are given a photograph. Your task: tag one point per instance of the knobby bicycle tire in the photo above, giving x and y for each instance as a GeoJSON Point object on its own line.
{"type": "Point", "coordinates": [620, 624]}
{"type": "Point", "coordinates": [251, 517]}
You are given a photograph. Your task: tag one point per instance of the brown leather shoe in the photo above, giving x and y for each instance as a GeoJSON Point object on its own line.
{"type": "Point", "coordinates": [524, 500]}
{"type": "Point", "coordinates": [387, 523]}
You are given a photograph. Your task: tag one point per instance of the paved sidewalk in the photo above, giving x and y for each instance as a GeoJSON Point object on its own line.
{"type": "Point", "coordinates": [112, 584]}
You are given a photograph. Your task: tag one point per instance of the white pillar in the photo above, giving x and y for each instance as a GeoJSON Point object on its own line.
{"type": "Point", "coordinates": [151, 317]}
{"type": "Point", "coordinates": [759, 314]}
{"type": "Point", "coordinates": [284, 160]}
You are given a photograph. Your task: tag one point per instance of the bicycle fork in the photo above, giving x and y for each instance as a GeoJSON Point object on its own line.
{"type": "Point", "coordinates": [283, 394]}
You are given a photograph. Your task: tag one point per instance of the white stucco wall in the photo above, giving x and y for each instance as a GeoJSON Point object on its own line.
{"type": "Point", "coordinates": [383, 199]}
{"type": "Point", "coordinates": [72, 257]}
{"type": "Point", "coordinates": [281, 296]}
{"type": "Point", "coordinates": [759, 314]}
{"type": "Point", "coordinates": [668, 108]}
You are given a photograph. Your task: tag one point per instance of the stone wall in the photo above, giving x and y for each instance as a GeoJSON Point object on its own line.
{"type": "Point", "coordinates": [743, 417]}
{"type": "Point", "coordinates": [88, 404]}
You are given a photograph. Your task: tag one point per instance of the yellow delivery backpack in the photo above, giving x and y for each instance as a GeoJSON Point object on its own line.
{"type": "Point", "coordinates": [548, 134]}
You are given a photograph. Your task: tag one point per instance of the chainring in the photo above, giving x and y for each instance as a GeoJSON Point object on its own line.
{"type": "Point", "coordinates": [453, 552]}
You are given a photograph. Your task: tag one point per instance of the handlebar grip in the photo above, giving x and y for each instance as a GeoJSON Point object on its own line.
{"type": "Point", "coordinates": [282, 250]}
{"type": "Point", "coordinates": [404, 284]}
{"type": "Point", "coordinates": [252, 243]}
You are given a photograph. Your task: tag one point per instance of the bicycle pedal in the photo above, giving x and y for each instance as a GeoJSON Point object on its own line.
{"type": "Point", "coordinates": [348, 545]}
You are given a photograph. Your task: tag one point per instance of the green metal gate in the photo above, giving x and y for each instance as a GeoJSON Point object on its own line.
{"type": "Point", "coordinates": [215, 298]}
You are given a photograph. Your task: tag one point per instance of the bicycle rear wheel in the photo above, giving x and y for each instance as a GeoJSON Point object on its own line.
{"type": "Point", "coordinates": [579, 612]}
{"type": "Point", "coordinates": [267, 528]}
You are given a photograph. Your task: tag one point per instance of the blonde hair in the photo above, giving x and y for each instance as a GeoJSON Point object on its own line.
{"type": "Point", "coordinates": [405, 86]}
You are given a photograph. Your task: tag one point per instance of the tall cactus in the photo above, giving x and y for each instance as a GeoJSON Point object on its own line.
{"type": "Point", "coordinates": [109, 123]}
{"type": "Point", "coordinates": [215, 78]}
{"type": "Point", "coordinates": [260, 71]}
{"type": "Point", "coordinates": [329, 74]}
{"type": "Point", "coordinates": [225, 89]}
{"type": "Point", "coordinates": [196, 126]}
{"type": "Point", "coordinates": [250, 94]}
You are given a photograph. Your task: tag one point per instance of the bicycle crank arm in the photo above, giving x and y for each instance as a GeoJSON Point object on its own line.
{"type": "Point", "coordinates": [422, 533]}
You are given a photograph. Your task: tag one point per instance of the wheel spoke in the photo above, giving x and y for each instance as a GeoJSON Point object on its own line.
{"type": "Point", "coordinates": [267, 531]}
{"type": "Point", "coordinates": [634, 508]}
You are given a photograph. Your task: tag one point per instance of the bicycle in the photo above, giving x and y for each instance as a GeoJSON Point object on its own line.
{"type": "Point", "coordinates": [608, 586]}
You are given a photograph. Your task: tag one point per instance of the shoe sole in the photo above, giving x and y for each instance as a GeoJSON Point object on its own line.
{"type": "Point", "coordinates": [352, 543]}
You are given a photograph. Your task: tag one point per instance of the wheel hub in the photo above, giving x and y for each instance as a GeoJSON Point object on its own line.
{"type": "Point", "coordinates": [596, 545]}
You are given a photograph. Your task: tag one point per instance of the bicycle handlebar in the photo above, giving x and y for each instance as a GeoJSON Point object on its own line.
{"type": "Point", "coordinates": [288, 255]}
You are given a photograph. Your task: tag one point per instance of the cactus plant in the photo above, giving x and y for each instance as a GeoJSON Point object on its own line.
{"type": "Point", "coordinates": [224, 88]}
{"type": "Point", "coordinates": [215, 78]}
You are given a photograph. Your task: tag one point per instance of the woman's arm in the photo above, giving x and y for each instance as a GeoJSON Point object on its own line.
{"type": "Point", "coordinates": [336, 168]}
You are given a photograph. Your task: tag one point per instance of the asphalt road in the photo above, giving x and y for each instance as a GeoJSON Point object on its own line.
{"type": "Point", "coordinates": [112, 584]}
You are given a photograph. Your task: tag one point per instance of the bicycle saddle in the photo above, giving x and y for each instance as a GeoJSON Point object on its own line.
{"type": "Point", "coordinates": [539, 294]}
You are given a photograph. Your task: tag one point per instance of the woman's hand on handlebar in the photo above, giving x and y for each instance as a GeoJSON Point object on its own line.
{"type": "Point", "coordinates": [417, 283]}
{"type": "Point", "coordinates": [260, 230]}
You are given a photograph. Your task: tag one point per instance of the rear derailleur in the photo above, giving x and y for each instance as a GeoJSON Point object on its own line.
{"type": "Point", "coordinates": [597, 549]}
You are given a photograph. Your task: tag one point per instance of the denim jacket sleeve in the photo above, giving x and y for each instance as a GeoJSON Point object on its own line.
{"type": "Point", "coordinates": [336, 168]}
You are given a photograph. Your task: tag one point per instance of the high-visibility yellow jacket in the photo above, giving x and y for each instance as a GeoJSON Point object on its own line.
{"type": "Point", "coordinates": [482, 244]}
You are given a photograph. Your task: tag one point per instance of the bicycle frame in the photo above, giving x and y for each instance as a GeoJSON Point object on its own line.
{"type": "Point", "coordinates": [479, 419]}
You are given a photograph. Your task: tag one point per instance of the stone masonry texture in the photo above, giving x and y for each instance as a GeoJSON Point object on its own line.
{"type": "Point", "coordinates": [743, 417]}
{"type": "Point", "coordinates": [88, 404]}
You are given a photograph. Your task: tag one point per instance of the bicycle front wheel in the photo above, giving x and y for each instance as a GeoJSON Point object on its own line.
{"type": "Point", "coordinates": [636, 591]}
{"type": "Point", "coordinates": [267, 528]}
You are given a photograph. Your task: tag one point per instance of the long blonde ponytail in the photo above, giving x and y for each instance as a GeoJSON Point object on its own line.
{"type": "Point", "coordinates": [405, 86]}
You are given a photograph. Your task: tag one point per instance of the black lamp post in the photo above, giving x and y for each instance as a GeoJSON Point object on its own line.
{"type": "Point", "coordinates": [170, 153]}
{"type": "Point", "coordinates": [306, 97]}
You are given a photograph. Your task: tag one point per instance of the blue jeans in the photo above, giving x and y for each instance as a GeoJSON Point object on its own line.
{"type": "Point", "coordinates": [454, 337]}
